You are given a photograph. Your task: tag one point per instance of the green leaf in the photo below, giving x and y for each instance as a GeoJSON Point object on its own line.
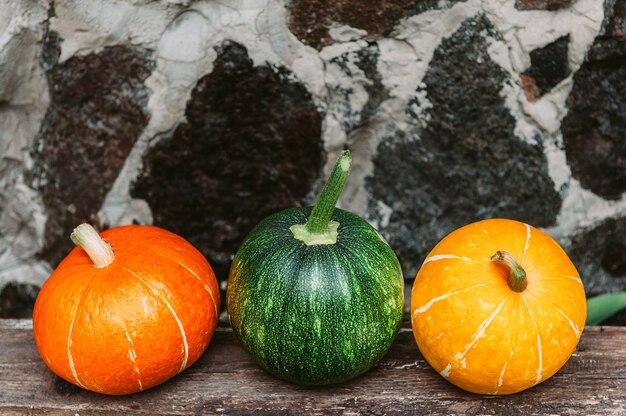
{"type": "Point", "coordinates": [602, 307]}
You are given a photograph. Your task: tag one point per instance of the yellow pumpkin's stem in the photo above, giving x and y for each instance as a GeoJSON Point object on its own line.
{"type": "Point", "coordinates": [99, 251]}
{"type": "Point", "coordinates": [517, 275]}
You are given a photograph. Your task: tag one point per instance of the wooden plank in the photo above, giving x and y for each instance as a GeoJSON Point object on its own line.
{"type": "Point", "coordinates": [226, 381]}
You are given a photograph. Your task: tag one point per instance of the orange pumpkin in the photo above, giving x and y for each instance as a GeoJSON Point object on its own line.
{"type": "Point", "coordinates": [497, 307]}
{"type": "Point", "coordinates": [126, 310]}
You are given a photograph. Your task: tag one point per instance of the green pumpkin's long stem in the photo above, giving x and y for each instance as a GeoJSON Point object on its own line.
{"type": "Point", "coordinates": [98, 250]}
{"type": "Point", "coordinates": [517, 275]}
{"type": "Point", "coordinates": [600, 308]}
{"type": "Point", "coordinates": [325, 205]}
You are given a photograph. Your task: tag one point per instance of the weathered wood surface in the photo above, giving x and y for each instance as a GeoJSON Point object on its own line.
{"type": "Point", "coordinates": [226, 381]}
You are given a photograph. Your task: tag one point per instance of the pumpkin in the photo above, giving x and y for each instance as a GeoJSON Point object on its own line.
{"type": "Point", "coordinates": [126, 310]}
{"type": "Point", "coordinates": [497, 307]}
{"type": "Point", "coordinates": [316, 295]}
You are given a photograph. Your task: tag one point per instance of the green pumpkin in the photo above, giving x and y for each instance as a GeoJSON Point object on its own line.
{"type": "Point", "coordinates": [316, 296]}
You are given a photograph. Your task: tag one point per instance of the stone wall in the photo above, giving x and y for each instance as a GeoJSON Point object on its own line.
{"type": "Point", "coordinates": [203, 117]}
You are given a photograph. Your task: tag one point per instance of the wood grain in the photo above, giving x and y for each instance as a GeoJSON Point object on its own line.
{"type": "Point", "coordinates": [226, 381]}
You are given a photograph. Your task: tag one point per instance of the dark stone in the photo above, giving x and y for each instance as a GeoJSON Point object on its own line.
{"type": "Point", "coordinates": [466, 164]}
{"type": "Point", "coordinates": [17, 300]}
{"type": "Point", "coordinates": [599, 255]}
{"type": "Point", "coordinates": [366, 60]}
{"type": "Point", "coordinates": [310, 20]}
{"type": "Point", "coordinates": [51, 50]}
{"type": "Point", "coordinates": [614, 259]}
{"type": "Point", "coordinates": [619, 319]}
{"type": "Point", "coordinates": [542, 4]}
{"type": "Point", "coordinates": [548, 66]}
{"type": "Point", "coordinates": [251, 146]}
{"type": "Point", "coordinates": [96, 114]}
{"type": "Point", "coordinates": [614, 23]}
{"type": "Point", "coordinates": [594, 130]}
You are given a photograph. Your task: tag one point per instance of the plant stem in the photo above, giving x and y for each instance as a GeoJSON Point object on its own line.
{"type": "Point", "coordinates": [319, 229]}
{"type": "Point", "coordinates": [517, 275]}
{"type": "Point", "coordinates": [325, 205]}
{"type": "Point", "coordinates": [98, 250]}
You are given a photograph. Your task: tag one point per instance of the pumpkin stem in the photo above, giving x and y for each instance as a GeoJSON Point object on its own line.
{"type": "Point", "coordinates": [319, 229]}
{"type": "Point", "coordinates": [98, 250]}
{"type": "Point", "coordinates": [517, 276]}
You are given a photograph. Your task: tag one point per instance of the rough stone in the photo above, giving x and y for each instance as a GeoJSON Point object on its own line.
{"type": "Point", "coordinates": [250, 146]}
{"type": "Point", "coordinates": [97, 112]}
{"type": "Point", "coordinates": [17, 300]}
{"type": "Point", "coordinates": [616, 25]}
{"type": "Point", "coordinates": [310, 20]}
{"type": "Point", "coordinates": [466, 164]}
{"type": "Point", "coordinates": [542, 4]}
{"type": "Point", "coordinates": [51, 50]}
{"type": "Point", "coordinates": [549, 66]}
{"type": "Point", "coordinates": [364, 60]}
{"type": "Point", "coordinates": [594, 130]}
{"type": "Point", "coordinates": [598, 254]}
{"type": "Point", "coordinates": [23, 103]}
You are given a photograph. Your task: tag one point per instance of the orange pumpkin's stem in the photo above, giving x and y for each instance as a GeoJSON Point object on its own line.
{"type": "Point", "coordinates": [517, 275]}
{"type": "Point", "coordinates": [98, 250]}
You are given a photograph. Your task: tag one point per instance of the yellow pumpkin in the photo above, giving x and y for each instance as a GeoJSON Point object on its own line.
{"type": "Point", "coordinates": [497, 307]}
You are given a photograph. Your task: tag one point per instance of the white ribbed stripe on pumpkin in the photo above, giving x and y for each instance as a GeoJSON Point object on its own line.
{"type": "Point", "coordinates": [69, 337]}
{"type": "Point", "coordinates": [430, 303]}
{"type": "Point", "coordinates": [569, 320]}
{"type": "Point", "coordinates": [527, 243]}
{"type": "Point", "coordinates": [206, 287]}
{"type": "Point", "coordinates": [539, 349]}
{"type": "Point", "coordinates": [437, 257]}
{"type": "Point", "coordinates": [159, 296]}
{"type": "Point", "coordinates": [481, 331]}
{"type": "Point", "coordinates": [133, 357]}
